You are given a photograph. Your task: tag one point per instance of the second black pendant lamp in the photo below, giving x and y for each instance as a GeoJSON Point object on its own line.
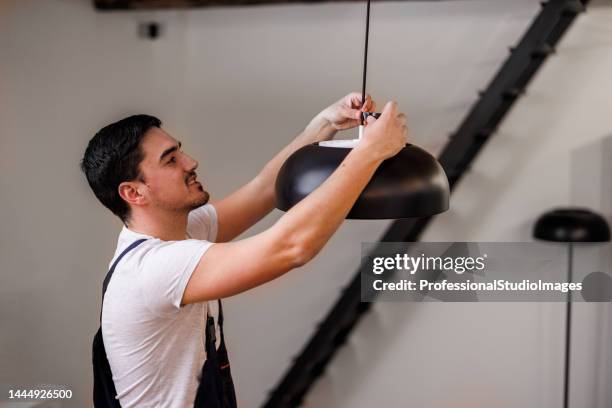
{"type": "Point", "coordinates": [409, 184]}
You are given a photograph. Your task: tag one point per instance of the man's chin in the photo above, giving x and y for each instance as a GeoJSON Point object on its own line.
{"type": "Point", "coordinates": [205, 197]}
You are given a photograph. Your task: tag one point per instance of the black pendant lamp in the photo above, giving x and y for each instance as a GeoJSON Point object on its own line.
{"type": "Point", "coordinates": [409, 184]}
{"type": "Point", "coordinates": [570, 225]}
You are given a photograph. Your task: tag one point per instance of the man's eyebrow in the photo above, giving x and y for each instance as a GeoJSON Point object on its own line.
{"type": "Point", "coordinates": [170, 150]}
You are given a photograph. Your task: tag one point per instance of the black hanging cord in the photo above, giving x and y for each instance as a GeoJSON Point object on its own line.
{"type": "Point", "coordinates": [568, 328]}
{"type": "Point", "coordinates": [365, 59]}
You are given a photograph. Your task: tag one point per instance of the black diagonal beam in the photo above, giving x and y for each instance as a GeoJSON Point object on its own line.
{"type": "Point", "coordinates": [479, 125]}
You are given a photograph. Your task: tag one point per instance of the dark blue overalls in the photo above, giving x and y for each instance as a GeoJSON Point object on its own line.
{"type": "Point", "coordinates": [215, 389]}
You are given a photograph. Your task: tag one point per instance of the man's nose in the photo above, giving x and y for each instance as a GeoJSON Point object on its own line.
{"type": "Point", "coordinates": [190, 163]}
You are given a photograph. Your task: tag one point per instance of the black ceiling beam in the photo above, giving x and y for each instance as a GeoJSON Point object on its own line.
{"type": "Point", "coordinates": [477, 128]}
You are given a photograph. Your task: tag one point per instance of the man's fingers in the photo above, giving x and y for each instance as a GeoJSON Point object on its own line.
{"type": "Point", "coordinates": [355, 100]}
{"type": "Point", "coordinates": [390, 109]}
{"type": "Point", "coordinates": [372, 107]}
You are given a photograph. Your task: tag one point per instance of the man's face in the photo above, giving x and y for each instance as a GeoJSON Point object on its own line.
{"type": "Point", "coordinates": [169, 174]}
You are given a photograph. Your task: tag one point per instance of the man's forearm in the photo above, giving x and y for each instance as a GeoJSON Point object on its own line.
{"type": "Point", "coordinates": [312, 222]}
{"type": "Point", "coordinates": [253, 201]}
{"type": "Point", "coordinates": [343, 114]}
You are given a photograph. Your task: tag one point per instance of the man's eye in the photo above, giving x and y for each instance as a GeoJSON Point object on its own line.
{"type": "Point", "coordinates": [172, 160]}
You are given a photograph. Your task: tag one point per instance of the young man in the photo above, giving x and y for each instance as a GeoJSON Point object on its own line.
{"type": "Point", "coordinates": [159, 309]}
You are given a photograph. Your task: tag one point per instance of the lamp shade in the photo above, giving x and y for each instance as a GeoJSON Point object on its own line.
{"type": "Point", "coordinates": [572, 225]}
{"type": "Point", "coordinates": [409, 184]}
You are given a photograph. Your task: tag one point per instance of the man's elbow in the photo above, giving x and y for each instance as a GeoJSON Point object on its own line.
{"type": "Point", "coordinates": [295, 248]}
{"type": "Point", "coordinates": [303, 253]}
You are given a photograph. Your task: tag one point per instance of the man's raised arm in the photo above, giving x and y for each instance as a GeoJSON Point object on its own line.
{"type": "Point", "coordinates": [251, 202]}
{"type": "Point", "coordinates": [230, 268]}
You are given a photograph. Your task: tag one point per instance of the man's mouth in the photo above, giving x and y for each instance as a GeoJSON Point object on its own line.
{"type": "Point", "coordinates": [193, 179]}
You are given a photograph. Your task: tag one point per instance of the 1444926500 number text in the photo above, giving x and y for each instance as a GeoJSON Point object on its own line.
{"type": "Point", "coordinates": [39, 394]}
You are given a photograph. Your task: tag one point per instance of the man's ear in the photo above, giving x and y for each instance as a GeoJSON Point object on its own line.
{"type": "Point", "coordinates": [131, 192]}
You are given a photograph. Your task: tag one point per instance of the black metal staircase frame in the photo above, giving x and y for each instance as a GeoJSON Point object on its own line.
{"type": "Point", "coordinates": [479, 125]}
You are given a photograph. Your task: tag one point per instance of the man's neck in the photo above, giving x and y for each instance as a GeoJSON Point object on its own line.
{"type": "Point", "coordinates": [167, 226]}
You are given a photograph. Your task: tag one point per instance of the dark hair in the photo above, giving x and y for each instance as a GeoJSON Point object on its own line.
{"type": "Point", "coordinates": [113, 156]}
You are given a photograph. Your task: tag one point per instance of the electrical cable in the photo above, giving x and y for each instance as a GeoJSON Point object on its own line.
{"type": "Point", "coordinates": [365, 59]}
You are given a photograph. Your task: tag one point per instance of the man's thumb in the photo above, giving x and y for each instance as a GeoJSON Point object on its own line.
{"type": "Point", "coordinates": [390, 108]}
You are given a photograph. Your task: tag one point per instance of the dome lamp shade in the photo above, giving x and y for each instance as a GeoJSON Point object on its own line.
{"type": "Point", "coordinates": [572, 225]}
{"type": "Point", "coordinates": [409, 184]}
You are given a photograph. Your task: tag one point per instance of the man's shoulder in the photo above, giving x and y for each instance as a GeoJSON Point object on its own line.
{"type": "Point", "coordinates": [202, 223]}
{"type": "Point", "coordinates": [156, 271]}
{"type": "Point", "coordinates": [128, 237]}
{"type": "Point", "coordinates": [154, 252]}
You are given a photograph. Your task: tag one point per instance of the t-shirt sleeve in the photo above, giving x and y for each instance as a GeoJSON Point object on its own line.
{"type": "Point", "coordinates": [166, 269]}
{"type": "Point", "coordinates": [202, 223]}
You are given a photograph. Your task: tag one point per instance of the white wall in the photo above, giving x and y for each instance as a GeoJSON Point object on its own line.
{"type": "Point", "coordinates": [551, 151]}
{"type": "Point", "coordinates": [254, 76]}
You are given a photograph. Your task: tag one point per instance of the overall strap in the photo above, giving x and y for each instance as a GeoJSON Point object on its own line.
{"type": "Point", "coordinates": [211, 334]}
{"type": "Point", "coordinates": [220, 314]}
{"type": "Point", "coordinates": [112, 269]}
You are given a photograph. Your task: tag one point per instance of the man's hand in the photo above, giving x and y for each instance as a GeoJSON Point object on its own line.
{"type": "Point", "coordinates": [386, 136]}
{"type": "Point", "coordinates": [346, 113]}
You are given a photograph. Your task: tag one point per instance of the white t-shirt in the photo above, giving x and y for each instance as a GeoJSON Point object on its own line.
{"type": "Point", "coordinates": [154, 346]}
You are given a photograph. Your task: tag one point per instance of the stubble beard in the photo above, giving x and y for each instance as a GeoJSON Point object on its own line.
{"type": "Point", "coordinates": [201, 201]}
